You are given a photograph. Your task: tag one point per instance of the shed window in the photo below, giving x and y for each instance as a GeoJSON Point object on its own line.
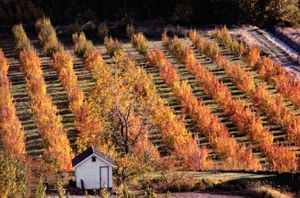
{"type": "Point", "coordinates": [93, 159]}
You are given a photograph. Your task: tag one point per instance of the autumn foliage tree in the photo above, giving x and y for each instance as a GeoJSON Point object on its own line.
{"type": "Point", "coordinates": [216, 133]}
{"type": "Point", "coordinates": [245, 120]}
{"type": "Point", "coordinates": [57, 147]}
{"type": "Point", "coordinates": [271, 72]}
{"type": "Point", "coordinates": [140, 43]}
{"type": "Point", "coordinates": [182, 146]}
{"type": "Point", "coordinates": [273, 106]}
{"type": "Point", "coordinates": [12, 133]}
{"type": "Point", "coordinates": [223, 36]}
{"type": "Point", "coordinates": [86, 121]}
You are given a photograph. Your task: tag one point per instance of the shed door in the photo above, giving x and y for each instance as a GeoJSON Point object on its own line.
{"type": "Point", "coordinates": [104, 177]}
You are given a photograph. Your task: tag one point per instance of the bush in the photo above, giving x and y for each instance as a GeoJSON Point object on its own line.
{"type": "Point", "coordinates": [174, 181]}
{"type": "Point", "coordinates": [81, 44]}
{"type": "Point", "coordinates": [269, 192]}
{"type": "Point", "coordinates": [47, 37]}
{"type": "Point", "coordinates": [114, 47]}
{"type": "Point", "coordinates": [140, 43]}
{"type": "Point", "coordinates": [212, 50]}
{"type": "Point", "coordinates": [20, 36]}
{"type": "Point", "coordinates": [13, 174]}
{"type": "Point", "coordinates": [149, 193]}
{"type": "Point", "coordinates": [102, 30]}
{"type": "Point", "coordinates": [40, 191]}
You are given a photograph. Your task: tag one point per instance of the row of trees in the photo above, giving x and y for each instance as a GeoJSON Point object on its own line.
{"type": "Point", "coordinates": [274, 106]}
{"type": "Point", "coordinates": [180, 144]}
{"type": "Point", "coordinates": [12, 134]}
{"type": "Point", "coordinates": [246, 121]}
{"type": "Point", "coordinates": [234, 156]}
{"type": "Point", "coordinates": [124, 97]}
{"type": "Point", "coordinates": [58, 152]}
{"type": "Point", "coordinates": [270, 71]}
{"type": "Point", "coordinates": [94, 63]}
{"type": "Point", "coordinates": [86, 121]}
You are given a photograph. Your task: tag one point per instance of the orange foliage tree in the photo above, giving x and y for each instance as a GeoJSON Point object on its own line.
{"type": "Point", "coordinates": [12, 133]}
{"type": "Point", "coordinates": [273, 106]}
{"type": "Point", "coordinates": [86, 122]}
{"type": "Point", "coordinates": [58, 150]}
{"type": "Point", "coordinates": [223, 36]}
{"type": "Point", "coordinates": [182, 145]}
{"type": "Point", "coordinates": [244, 119]}
{"type": "Point", "coordinates": [271, 72]}
{"type": "Point", "coordinates": [45, 113]}
{"type": "Point", "coordinates": [179, 141]}
{"type": "Point", "coordinates": [216, 133]}
{"type": "Point", "coordinates": [278, 112]}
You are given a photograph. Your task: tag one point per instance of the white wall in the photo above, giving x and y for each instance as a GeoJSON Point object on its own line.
{"type": "Point", "coordinates": [89, 172]}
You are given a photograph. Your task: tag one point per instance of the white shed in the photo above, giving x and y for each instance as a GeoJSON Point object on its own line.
{"type": "Point", "coordinates": [93, 169]}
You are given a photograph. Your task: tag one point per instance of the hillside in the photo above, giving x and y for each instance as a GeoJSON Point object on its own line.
{"type": "Point", "coordinates": [34, 142]}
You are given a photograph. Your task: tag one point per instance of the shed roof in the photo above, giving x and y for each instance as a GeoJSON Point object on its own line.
{"type": "Point", "coordinates": [87, 153]}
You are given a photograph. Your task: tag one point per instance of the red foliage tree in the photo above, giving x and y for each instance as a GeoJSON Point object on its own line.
{"type": "Point", "coordinates": [216, 133]}
{"type": "Point", "coordinates": [244, 119]}
{"type": "Point", "coordinates": [49, 123]}
{"type": "Point", "coordinates": [12, 133]}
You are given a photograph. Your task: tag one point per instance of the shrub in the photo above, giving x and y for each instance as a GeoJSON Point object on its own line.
{"type": "Point", "coordinates": [281, 158]}
{"type": "Point", "coordinates": [212, 50]}
{"type": "Point", "coordinates": [252, 56]}
{"type": "Point", "coordinates": [114, 47]}
{"type": "Point", "coordinates": [40, 191]}
{"type": "Point", "coordinates": [104, 193]}
{"type": "Point", "coordinates": [238, 75]}
{"type": "Point", "coordinates": [81, 44]}
{"type": "Point", "coordinates": [13, 175]}
{"type": "Point", "coordinates": [167, 72]}
{"type": "Point", "coordinates": [58, 150]}
{"type": "Point", "coordinates": [237, 48]}
{"type": "Point", "coordinates": [22, 40]}
{"type": "Point", "coordinates": [102, 30]}
{"type": "Point", "coordinates": [223, 36]}
{"type": "Point", "coordinates": [149, 193]}
{"type": "Point", "coordinates": [63, 63]}
{"type": "Point", "coordinates": [140, 43]}
{"type": "Point", "coordinates": [59, 188]}
{"type": "Point", "coordinates": [86, 121]}
{"type": "Point", "coordinates": [47, 37]}
{"type": "Point", "coordinates": [269, 192]}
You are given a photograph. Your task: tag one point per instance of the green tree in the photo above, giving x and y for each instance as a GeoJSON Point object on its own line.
{"type": "Point", "coordinates": [13, 174]}
{"type": "Point", "coordinates": [281, 11]}
{"type": "Point", "coordinates": [40, 189]}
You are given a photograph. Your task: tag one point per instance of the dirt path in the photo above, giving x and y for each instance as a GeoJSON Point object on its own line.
{"type": "Point", "coordinates": [177, 195]}
{"type": "Point", "coordinates": [200, 195]}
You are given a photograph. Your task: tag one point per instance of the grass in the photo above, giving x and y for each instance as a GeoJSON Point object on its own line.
{"type": "Point", "coordinates": [229, 183]}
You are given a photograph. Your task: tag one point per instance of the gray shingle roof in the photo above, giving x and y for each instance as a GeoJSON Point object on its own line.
{"type": "Point", "coordinates": [85, 154]}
